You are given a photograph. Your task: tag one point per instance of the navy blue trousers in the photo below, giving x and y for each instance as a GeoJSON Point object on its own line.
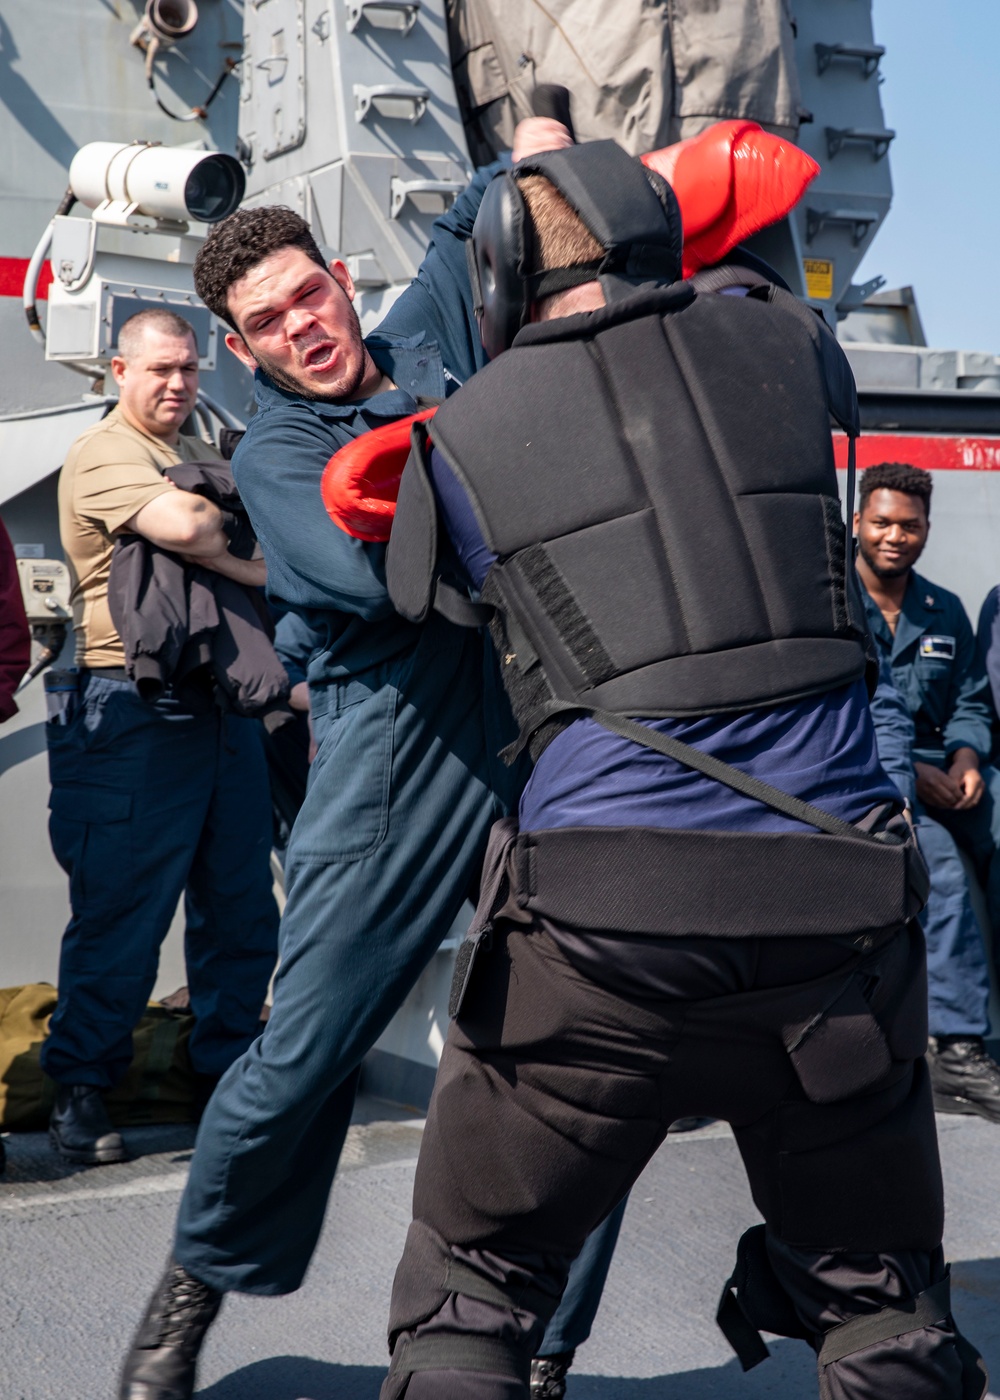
{"type": "Point", "coordinates": [957, 964]}
{"type": "Point", "coordinates": [402, 794]}
{"type": "Point", "coordinates": [150, 802]}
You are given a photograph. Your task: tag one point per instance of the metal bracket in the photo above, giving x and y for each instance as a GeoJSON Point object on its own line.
{"type": "Point", "coordinates": [426, 196]}
{"type": "Point", "coordinates": [856, 295]}
{"type": "Point", "coordinates": [121, 213]}
{"type": "Point", "coordinates": [879, 138]}
{"type": "Point", "coordinates": [870, 55]}
{"type": "Point", "coordinates": [366, 270]}
{"type": "Point", "coordinates": [74, 246]}
{"type": "Point", "coordinates": [858, 220]}
{"type": "Point", "coordinates": [395, 101]}
{"type": "Point", "coordinates": [275, 66]}
{"type": "Point", "coordinates": [400, 15]}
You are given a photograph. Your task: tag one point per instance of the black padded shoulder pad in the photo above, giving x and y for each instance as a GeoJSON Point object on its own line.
{"type": "Point", "coordinates": [411, 555]}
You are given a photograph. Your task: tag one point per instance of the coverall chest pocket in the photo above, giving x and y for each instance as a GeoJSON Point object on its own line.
{"type": "Point", "coordinates": [346, 812]}
{"type": "Point", "coordinates": [932, 683]}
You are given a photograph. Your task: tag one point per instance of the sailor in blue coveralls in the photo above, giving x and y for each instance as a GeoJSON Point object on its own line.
{"type": "Point", "coordinates": [402, 793]}
{"type": "Point", "coordinates": [924, 632]}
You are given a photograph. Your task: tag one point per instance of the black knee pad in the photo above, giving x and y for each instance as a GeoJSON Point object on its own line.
{"type": "Point", "coordinates": [754, 1301]}
{"type": "Point", "coordinates": [419, 1289]}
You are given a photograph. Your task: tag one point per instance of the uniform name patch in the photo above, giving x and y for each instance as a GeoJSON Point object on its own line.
{"type": "Point", "coordinates": [941, 648]}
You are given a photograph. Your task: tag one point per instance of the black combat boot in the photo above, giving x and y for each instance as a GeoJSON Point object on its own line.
{"type": "Point", "coordinates": [548, 1376]}
{"type": "Point", "coordinates": [80, 1129]}
{"type": "Point", "coordinates": [161, 1363]}
{"type": "Point", "coordinates": [964, 1078]}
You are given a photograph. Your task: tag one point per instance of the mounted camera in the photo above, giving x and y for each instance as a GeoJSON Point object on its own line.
{"type": "Point", "coordinates": [146, 181]}
{"type": "Point", "coordinates": [135, 250]}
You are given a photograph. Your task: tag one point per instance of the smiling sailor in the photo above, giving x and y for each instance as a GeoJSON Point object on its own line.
{"type": "Point", "coordinates": [927, 638]}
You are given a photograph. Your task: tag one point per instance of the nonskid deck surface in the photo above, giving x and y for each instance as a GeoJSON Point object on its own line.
{"type": "Point", "coordinates": [80, 1250]}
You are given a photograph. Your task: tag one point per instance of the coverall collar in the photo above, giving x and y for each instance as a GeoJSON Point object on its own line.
{"type": "Point", "coordinates": [413, 363]}
{"type": "Point", "coordinates": [922, 607]}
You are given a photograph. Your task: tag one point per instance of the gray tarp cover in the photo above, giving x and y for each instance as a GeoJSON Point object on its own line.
{"type": "Point", "coordinates": [646, 72]}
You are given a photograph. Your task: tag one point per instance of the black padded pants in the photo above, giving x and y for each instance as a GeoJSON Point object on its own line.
{"type": "Point", "coordinates": [557, 1085]}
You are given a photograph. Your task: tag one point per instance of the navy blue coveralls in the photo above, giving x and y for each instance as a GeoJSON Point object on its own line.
{"type": "Point", "coordinates": [402, 793]}
{"type": "Point", "coordinates": [937, 669]}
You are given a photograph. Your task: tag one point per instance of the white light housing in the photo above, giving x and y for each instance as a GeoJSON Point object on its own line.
{"type": "Point", "coordinates": [161, 182]}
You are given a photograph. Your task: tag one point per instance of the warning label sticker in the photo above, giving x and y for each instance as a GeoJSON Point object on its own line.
{"type": "Point", "coordinates": [819, 278]}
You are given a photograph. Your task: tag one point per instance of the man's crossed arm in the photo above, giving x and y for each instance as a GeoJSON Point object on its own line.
{"type": "Point", "coordinates": [190, 526]}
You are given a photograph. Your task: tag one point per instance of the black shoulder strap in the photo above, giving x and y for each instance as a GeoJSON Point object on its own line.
{"type": "Point", "coordinates": [732, 777]}
{"type": "Point", "coordinates": [458, 608]}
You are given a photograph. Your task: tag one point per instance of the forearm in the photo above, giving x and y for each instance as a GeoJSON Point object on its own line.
{"type": "Point", "coordinates": [213, 544]}
{"type": "Point", "coordinates": [183, 522]}
{"type": "Point", "coordinates": [252, 572]}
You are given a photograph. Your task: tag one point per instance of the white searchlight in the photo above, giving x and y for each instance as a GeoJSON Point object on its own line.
{"type": "Point", "coordinates": [165, 185]}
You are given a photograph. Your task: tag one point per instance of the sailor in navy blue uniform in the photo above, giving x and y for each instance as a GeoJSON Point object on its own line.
{"type": "Point", "coordinates": [405, 784]}
{"type": "Point", "coordinates": [924, 632]}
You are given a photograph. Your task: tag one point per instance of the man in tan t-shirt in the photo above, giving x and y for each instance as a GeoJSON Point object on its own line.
{"type": "Point", "coordinates": [149, 800]}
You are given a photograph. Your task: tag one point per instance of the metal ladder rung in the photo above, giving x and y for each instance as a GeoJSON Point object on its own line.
{"type": "Point", "coordinates": [394, 101]}
{"type": "Point", "coordinates": [400, 15]}
{"type": "Point", "coordinates": [870, 55]}
{"type": "Point", "coordinates": [879, 138]}
{"type": "Point", "coordinates": [859, 221]}
{"type": "Point", "coordinates": [426, 196]}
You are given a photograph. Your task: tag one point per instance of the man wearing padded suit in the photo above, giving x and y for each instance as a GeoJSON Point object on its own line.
{"type": "Point", "coordinates": [402, 792]}
{"type": "Point", "coordinates": [708, 910]}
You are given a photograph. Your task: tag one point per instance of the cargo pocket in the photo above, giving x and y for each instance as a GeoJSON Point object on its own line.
{"type": "Point", "coordinates": [91, 836]}
{"type": "Point", "coordinates": [840, 1051]}
{"type": "Point", "coordinates": [346, 812]}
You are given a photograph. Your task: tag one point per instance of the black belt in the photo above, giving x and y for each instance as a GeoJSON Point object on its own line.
{"type": "Point", "coordinates": [718, 883]}
{"type": "Point", "coordinates": [106, 673]}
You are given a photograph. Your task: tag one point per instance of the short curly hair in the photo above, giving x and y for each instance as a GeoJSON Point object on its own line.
{"type": "Point", "coordinates": [237, 244]}
{"type": "Point", "coordinates": [896, 476]}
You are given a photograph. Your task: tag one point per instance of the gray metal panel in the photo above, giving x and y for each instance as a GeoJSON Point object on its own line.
{"type": "Point", "coordinates": [275, 75]}
{"type": "Point", "coordinates": [349, 175]}
{"type": "Point", "coordinates": [852, 184]}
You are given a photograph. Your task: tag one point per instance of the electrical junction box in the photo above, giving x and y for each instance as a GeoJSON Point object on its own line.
{"type": "Point", "coordinates": [45, 588]}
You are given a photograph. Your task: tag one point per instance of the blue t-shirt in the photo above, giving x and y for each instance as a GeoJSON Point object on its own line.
{"type": "Point", "coordinates": [821, 749]}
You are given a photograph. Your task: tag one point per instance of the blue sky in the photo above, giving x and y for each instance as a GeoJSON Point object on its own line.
{"type": "Point", "coordinates": [942, 96]}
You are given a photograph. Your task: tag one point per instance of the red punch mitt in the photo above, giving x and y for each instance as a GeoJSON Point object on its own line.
{"type": "Point", "coordinates": [361, 481]}
{"type": "Point", "coordinates": [731, 181]}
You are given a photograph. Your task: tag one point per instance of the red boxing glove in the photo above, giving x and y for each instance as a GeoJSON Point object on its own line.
{"type": "Point", "coordinates": [730, 182]}
{"type": "Point", "coordinates": [361, 481]}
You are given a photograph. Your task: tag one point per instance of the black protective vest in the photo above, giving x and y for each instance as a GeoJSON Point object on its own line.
{"type": "Point", "coordinates": [657, 481]}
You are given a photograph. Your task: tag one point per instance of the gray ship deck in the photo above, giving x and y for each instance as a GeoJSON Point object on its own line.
{"type": "Point", "coordinates": [79, 1251]}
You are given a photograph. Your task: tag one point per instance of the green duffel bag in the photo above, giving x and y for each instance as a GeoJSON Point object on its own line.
{"type": "Point", "coordinates": [158, 1088]}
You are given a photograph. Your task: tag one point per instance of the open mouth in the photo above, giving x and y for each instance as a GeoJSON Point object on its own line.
{"type": "Point", "coordinates": [320, 357]}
